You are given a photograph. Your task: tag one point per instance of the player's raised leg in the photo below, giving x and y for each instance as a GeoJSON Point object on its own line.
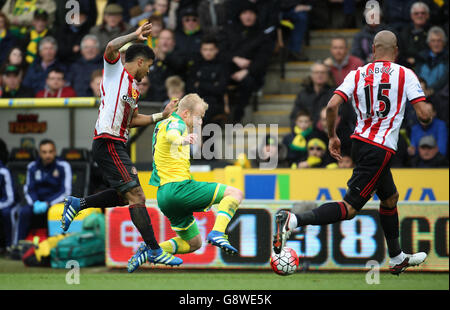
{"type": "Point", "coordinates": [327, 213]}
{"type": "Point", "coordinates": [228, 205]}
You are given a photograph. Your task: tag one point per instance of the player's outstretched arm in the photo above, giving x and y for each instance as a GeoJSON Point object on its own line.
{"type": "Point", "coordinates": [140, 120]}
{"type": "Point", "coordinates": [334, 144]}
{"type": "Point", "coordinates": [112, 49]}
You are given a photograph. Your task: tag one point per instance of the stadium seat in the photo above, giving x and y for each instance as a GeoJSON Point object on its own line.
{"type": "Point", "coordinates": [80, 162]}
{"type": "Point", "coordinates": [17, 165]}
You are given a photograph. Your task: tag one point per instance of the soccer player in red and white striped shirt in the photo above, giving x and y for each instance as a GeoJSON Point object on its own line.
{"type": "Point", "coordinates": [118, 112]}
{"type": "Point", "coordinates": [379, 93]}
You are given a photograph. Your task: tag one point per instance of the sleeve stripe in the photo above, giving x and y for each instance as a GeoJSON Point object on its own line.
{"type": "Point", "coordinates": [418, 99]}
{"type": "Point", "coordinates": [27, 184]}
{"type": "Point", "coordinates": [111, 62]}
{"type": "Point", "coordinates": [342, 94]}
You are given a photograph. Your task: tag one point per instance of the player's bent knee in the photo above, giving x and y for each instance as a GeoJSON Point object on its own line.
{"type": "Point", "coordinates": [351, 212]}
{"type": "Point", "coordinates": [195, 243]}
{"type": "Point", "coordinates": [391, 202]}
{"type": "Point", "coordinates": [234, 192]}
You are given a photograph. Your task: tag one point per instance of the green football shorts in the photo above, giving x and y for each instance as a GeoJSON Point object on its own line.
{"type": "Point", "coordinates": [178, 201]}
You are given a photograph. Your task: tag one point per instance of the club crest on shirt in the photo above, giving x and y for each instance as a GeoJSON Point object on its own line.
{"type": "Point", "coordinates": [134, 94]}
{"type": "Point", "coordinates": [55, 173]}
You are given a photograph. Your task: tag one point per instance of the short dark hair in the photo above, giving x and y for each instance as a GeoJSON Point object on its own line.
{"type": "Point", "coordinates": [139, 50]}
{"type": "Point", "coordinates": [56, 70]}
{"type": "Point", "coordinates": [46, 141]}
{"type": "Point", "coordinates": [210, 39]}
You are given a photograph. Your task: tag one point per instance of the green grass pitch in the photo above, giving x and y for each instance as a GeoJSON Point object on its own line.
{"type": "Point", "coordinates": [14, 275]}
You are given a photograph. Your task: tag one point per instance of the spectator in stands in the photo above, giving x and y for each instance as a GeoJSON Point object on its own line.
{"type": "Point", "coordinates": [249, 49]}
{"type": "Point", "coordinates": [437, 129]}
{"type": "Point", "coordinates": [47, 60]}
{"type": "Point", "coordinates": [413, 37]}
{"type": "Point", "coordinates": [167, 63]}
{"type": "Point", "coordinates": [428, 155]}
{"type": "Point", "coordinates": [213, 16]}
{"type": "Point", "coordinates": [432, 63]}
{"type": "Point", "coordinates": [157, 27]}
{"type": "Point", "coordinates": [363, 40]}
{"type": "Point", "coordinates": [69, 36]}
{"type": "Point", "coordinates": [129, 7]}
{"type": "Point", "coordinates": [316, 93]}
{"type": "Point", "coordinates": [159, 8]}
{"type": "Point", "coordinates": [143, 87]}
{"type": "Point", "coordinates": [188, 38]}
{"type": "Point", "coordinates": [297, 140]}
{"type": "Point", "coordinates": [345, 127]}
{"type": "Point", "coordinates": [95, 83]}
{"type": "Point", "coordinates": [39, 30]}
{"type": "Point", "coordinates": [317, 155]}
{"type": "Point", "coordinates": [113, 25]}
{"type": "Point", "coordinates": [62, 13]}
{"type": "Point", "coordinates": [48, 181]}
{"type": "Point", "coordinates": [341, 62]}
{"type": "Point", "coordinates": [176, 88]}
{"type": "Point", "coordinates": [441, 103]}
{"type": "Point", "coordinates": [269, 153]}
{"type": "Point", "coordinates": [81, 70]}
{"type": "Point", "coordinates": [12, 84]}
{"type": "Point", "coordinates": [55, 86]}
{"type": "Point", "coordinates": [297, 12]}
{"type": "Point", "coordinates": [15, 57]}
{"type": "Point", "coordinates": [346, 162]}
{"type": "Point", "coordinates": [208, 77]}
{"type": "Point", "coordinates": [7, 39]}
{"type": "Point", "coordinates": [20, 13]}
{"type": "Point", "coordinates": [7, 201]}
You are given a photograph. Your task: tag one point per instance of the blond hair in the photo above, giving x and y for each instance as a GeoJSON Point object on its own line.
{"type": "Point", "coordinates": [190, 101]}
{"type": "Point", "coordinates": [174, 83]}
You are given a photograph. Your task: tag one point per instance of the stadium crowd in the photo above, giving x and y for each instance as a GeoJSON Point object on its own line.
{"type": "Point", "coordinates": [221, 49]}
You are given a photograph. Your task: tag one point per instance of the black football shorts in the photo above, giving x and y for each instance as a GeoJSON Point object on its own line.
{"type": "Point", "coordinates": [372, 173]}
{"type": "Point", "coordinates": [115, 163]}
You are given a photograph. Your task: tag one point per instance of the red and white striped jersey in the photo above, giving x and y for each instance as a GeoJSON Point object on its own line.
{"type": "Point", "coordinates": [380, 91]}
{"type": "Point", "coordinates": [119, 97]}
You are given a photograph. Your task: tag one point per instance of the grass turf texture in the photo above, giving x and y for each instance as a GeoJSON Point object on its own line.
{"type": "Point", "coordinates": [14, 275]}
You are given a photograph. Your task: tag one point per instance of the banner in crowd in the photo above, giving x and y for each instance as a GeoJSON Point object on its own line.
{"type": "Point", "coordinates": [348, 245]}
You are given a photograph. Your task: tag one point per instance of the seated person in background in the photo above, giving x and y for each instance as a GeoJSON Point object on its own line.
{"type": "Point", "coordinates": [270, 154]}
{"type": "Point", "coordinates": [317, 155]}
{"type": "Point", "coordinates": [316, 93]}
{"type": "Point", "coordinates": [15, 57]}
{"type": "Point", "coordinates": [47, 60]}
{"type": "Point", "coordinates": [143, 87]}
{"type": "Point", "coordinates": [7, 39]}
{"type": "Point", "coordinates": [70, 36]}
{"type": "Point", "coordinates": [302, 132]}
{"type": "Point", "coordinates": [346, 162]}
{"type": "Point", "coordinates": [39, 30]}
{"type": "Point", "coordinates": [437, 129]}
{"type": "Point", "coordinates": [7, 202]}
{"type": "Point", "coordinates": [81, 70]}
{"type": "Point", "coordinates": [167, 63]}
{"type": "Point", "coordinates": [428, 155]}
{"type": "Point", "coordinates": [175, 88]}
{"type": "Point", "coordinates": [208, 77]}
{"type": "Point", "coordinates": [157, 27]}
{"type": "Point", "coordinates": [54, 86]}
{"type": "Point", "coordinates": [48, 181]}
{"type": "Point", "coordinates": [188, 38]}
{"type": "Point", "coordinates": [341, 62]}
{"type": "Point", "coordinates": [248, 50]}
{"type": "Point", "coordinates": [432, 63]}
{"type": "Point", "coordinates": [413, 37]}
{"type": "Point", "coordinates": [11, 86]}
{"type": "Point", "coordinates": [21, 13]}
{"type": "Point", "coordinates": [112, 27]}
{"type": "Point", "coordinates": [95, 83]}
{"type": "Point", "coordinates": [159, 8]}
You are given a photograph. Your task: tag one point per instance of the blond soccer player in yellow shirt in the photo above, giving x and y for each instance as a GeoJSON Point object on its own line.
{"type": "Point", "coordinates": [178, 195]}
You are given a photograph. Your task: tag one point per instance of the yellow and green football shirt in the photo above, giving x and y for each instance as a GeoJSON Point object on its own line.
{"type": "Point", "coordinates": [170, 158]}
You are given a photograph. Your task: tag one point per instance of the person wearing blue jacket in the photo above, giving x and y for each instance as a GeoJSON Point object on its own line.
{"type": "Point", "coordinates": [437, 128]}
{"type": "Point", "coordinates": [7, 202]}
{"type": "Point", "coordinates": [48, 181]}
